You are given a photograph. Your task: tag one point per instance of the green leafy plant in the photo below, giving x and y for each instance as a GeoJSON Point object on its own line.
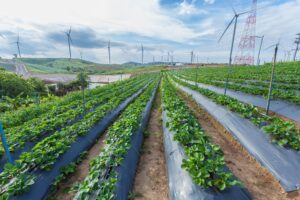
{"type": "Point", "coordinates": [205, 161]}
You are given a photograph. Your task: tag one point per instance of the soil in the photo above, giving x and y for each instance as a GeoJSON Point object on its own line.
{"type": "Point", "coordinates": [151, 180]}
{"type": "Point", "coordinates": [81, 171]}
{"type": "Point", "coordinates": [259, 182]}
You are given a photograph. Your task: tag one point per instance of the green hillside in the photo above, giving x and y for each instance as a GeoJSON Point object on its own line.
{"type": "Point", "coordinates": [66, 66]}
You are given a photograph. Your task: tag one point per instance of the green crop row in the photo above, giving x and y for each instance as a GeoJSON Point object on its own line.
{"type": "Point", "coordinates": [16, 179]}
{"type": "Point", "coordinates": [288, 95]}
{"type": "Point", "coordinates": [21, 115]}
{"type": "Point", "coordinates": [102, 177]}
{"type": "Point", "coordinates": [205, 160]}
{"type": "Point", "coordinates": [284, 73]}
{"type": "Point", "coordinates": [18, 136]}
{"type": "Point", "coordinates": [282, 132]}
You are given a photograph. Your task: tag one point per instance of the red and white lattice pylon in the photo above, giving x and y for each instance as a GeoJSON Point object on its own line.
{"type": "Point", "coordinates": [246, 48]}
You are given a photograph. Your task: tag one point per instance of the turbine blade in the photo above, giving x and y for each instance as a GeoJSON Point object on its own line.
{"type": "Point", "coordinates": [226, 29]}
{"type": "Point", "coordinates": [2, 36]}
{"type": "Point", "coordinates": [270, 46]}
{"type": "Point", "coordinates": [242, 13]}
{"type": "Point", "coordinates": [70, 30]}
{"type": "Point", "coordinates": [233, 9]}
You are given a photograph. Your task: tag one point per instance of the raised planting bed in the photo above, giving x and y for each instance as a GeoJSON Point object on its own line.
{"type": "Point", "coordinates": [111, 173]}
{"type": "Point", "coordinates": [284, 108]}
{"type": "Point", "coordinates": [196, 167]}
{"type": "Point", "coordinates": [282, 162]}
{"type": "Point", "coordinates": [24, 137]}
{"type": "Point", "coordinates": [53, 152]}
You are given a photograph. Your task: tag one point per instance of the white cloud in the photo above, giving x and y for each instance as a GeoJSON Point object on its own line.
{"type": "Point", "coordinates": [209, 1]}
{"type": "Point", "coordinates": [186, 8]}
{"type": "Point", "coordinates": [35, 18]}
{"type": "Point", "coordinates": [105, 16]}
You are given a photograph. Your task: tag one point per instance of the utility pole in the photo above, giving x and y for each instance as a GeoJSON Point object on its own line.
{"type": "Point", "coordinates": [297, 42]}
{"type": "Point", "coordinates": [4, 142]}
{"type": "Point", "coordinates": [261, 42]}
{"type": "Point", "coordinates": [272, 78]}
{"type": "Point", "coordinates": [196, 82]}
{"type": "Point", "coordinates": [108, 47]}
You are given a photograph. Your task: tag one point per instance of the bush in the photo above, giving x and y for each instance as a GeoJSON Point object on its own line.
{"type": "Point", "coordinates": [13, 85]}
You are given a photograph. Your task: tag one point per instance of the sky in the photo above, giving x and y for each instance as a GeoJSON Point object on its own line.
{"type": "Point", "coordinates": [162, 26]}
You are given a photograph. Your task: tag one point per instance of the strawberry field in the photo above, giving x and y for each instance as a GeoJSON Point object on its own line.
{"type": "Point", "coordinates": [108, 143]}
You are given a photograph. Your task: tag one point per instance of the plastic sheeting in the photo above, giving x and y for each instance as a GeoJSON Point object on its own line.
{"type": "Point", "coordinates": [284, 108]}
{"type": "Point", "coordinates": [29, 145]}
{"type": "Point", "coordinates": [181, 185]}
{"type": "Point", "coordinates": [126, 171]}
{"type": "Point", "coordinates": [45, 178]}
{"type": "Point", "coordinates": [283, 163]}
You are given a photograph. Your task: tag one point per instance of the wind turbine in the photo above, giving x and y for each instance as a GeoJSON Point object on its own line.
{"type": "Point", "coordinates": [142, 48]}
{"type": "Point", "coordinates": [192, 56]}
{"type": "Point", "coordinates": [80, 53]}
{"type": "Point", "coordinates": [18, 45]}
{"type": "Point", "coordinates": [108, 48]}
{"type": "Point", "coordinates": [234, 19]}
{"type": "Point", "coordinates": [68, 33]}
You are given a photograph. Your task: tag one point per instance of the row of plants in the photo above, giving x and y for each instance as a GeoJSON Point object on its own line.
{"type": "Point", "coordinates": [283, 133]}
{"type": "Point", "coordinates": [265, 84]}
{"type": "Point", "coordinates": [289, 95]}
{"type": "Point", "coordinates": [205, 160]}
{"type": "Point", "coordinates": [16, 179]}
{"type": "Point", "coordinates": [18, 136]}
{"type": "Point", "coordinates": [100, 182]}
{"type": "Point", "coordinates": [286, 72]}
{"type": "Point", "coordinates": [21, 115]}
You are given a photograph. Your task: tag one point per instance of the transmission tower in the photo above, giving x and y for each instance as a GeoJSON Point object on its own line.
{"type": "Point", "coordinates": [297, 42]}
{"type": "Point", "coordinates": [246, 48]}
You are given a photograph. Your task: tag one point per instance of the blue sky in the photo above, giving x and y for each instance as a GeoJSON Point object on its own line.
{"type": "Point", "coordinates": [174, 26]}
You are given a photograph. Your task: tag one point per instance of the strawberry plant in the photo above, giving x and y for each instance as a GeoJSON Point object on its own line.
{"type": "Point", "coordinates": [46, 152]}
{"type": "Point", "coordinates": [281, 132]}
{"type": "Point", "coordinates": [102, 178]}
{"type": "Point", "coordinates": [205, 161]}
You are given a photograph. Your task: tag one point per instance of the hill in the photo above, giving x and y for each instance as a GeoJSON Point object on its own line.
{"type": "Point", "coordinates": [66, 66]}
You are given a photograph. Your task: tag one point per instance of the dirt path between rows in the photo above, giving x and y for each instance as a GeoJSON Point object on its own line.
{"type": "Point", "coordinates": [259, 182]}
{"type": "Point", "coordinates": [151, 182]}
{"type": "Point", "coordinates": [81, 171]}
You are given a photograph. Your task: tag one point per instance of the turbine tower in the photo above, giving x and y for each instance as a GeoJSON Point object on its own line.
{"type": "Point", "coordinates": [246, 48]}
{"type": "Point", "coordinates": [142, 48]}
{"type": "Point", "coordinates": [18, 45]}
{"type": "Point", "coordinates": [108, 47]}
{"type": "Point", "coordinates": [69, 41]}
